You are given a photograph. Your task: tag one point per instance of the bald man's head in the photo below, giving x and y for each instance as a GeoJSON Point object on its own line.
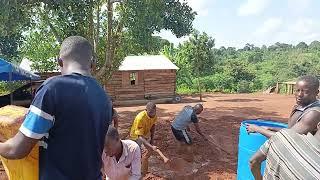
{"type": "Point", "coordinates": [76, 49]}
{"type": "Point", "coordinates": [198, 108]}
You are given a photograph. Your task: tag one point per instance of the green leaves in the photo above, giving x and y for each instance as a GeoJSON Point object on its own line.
{"type": "Point", "coordinates": [14, 18]}
{"type": "Point", "coordinates": [197, 53]}
{"type": "Point", "coordinates": [142, 18]}
{"type": "Point", "coordinates": [244, 70]}
{"type": "Point", "coordinates": [42, 49]}
{"type": "Point", "coordinates": [34, 29]}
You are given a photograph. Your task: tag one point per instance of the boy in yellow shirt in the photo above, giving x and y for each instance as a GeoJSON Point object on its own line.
{"type": "Point", "coordinates": [143, 126]}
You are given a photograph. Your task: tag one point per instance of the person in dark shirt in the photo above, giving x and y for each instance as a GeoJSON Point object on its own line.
{"type": "Point", "coordinates": [305, 115]}
{"type": "Point", "coordinates": [68, 117]}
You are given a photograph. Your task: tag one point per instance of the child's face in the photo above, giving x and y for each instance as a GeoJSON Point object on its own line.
{"type": "Point", "coordinates": [152, 112]}
{"type": "Point", "coordinates": [110, 148]}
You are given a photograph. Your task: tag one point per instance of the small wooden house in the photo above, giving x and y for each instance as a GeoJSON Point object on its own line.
{"type": "Point", "coordinates": [142, 78]}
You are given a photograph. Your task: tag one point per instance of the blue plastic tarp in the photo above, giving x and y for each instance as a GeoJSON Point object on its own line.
{"type": "Point", "coordinates": [11, 72]}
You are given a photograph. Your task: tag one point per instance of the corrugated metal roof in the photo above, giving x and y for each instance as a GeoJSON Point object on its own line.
{"type": "Point", "coordinates": [26, 65]}
{"type": "Point", "coordinates": [146, 63]}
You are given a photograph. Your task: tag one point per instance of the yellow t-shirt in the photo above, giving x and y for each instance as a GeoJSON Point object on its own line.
{"type": "Point", "coordinates": [141, 125]}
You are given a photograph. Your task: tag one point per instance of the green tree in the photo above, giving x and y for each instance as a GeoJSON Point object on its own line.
{"type": "Point", "coordinates": [314, 45]}
{"type": "Point", "coordinates": [41, 48]}
{"type": "Point", "coordinates": [197, 53]}
{"type": "Point", "coordinates": [111, 30]}
{"type": "Point", "coordinates": [248, 69]}
{"type": "Point", "coordinates": [14, 18]}
{"type": "Point", "coordinates": [302, 45]}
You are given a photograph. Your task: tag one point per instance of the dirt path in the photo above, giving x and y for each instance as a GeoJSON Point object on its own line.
{"type": "Point", "coordinates": [220, 119]}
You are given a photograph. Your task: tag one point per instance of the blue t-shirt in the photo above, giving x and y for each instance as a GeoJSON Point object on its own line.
{"type": "Point", "coordinates": [70, 116]}
{"type": "Point", "coordinates": [184, 118]}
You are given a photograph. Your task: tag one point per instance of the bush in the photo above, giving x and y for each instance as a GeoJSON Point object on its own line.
{"type": "Point", "coordinates": [8, 87]}
{"type": "Point", "coordinates": [218, 83]}
{"type": "Point", "coordinates": [185, 89]}
{"type": "Point", "coordinates": [245, 87]}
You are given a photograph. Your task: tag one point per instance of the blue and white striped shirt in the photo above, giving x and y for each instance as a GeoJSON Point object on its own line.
{"type": "Point", "coordinates": [70, 116]}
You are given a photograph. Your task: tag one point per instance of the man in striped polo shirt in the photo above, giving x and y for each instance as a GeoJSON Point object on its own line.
{"type": "Point", "coordinates": [289, 156]}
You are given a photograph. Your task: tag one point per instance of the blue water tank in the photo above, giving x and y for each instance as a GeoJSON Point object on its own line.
{"type": "Point", "coordinates": [249, 144]}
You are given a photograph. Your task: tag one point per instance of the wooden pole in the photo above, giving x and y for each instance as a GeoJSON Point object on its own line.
{"type": "Point", "coordinates": [199, 85]}
{"type": "Point", "coordinates": [277, 88]}
{"type": "Point", "coordinates": [286, 88]}
{"type": "Point", "coordinates": [11, 93]}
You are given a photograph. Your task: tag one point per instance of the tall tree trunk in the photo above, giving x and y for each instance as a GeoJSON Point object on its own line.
{"type": "Point", "coordinates": [91, 24]}
{"type": "Point", "coordinates": [109, 35]}
{"type": "Point", "coordinates": [108, 61]}
{"type": "Point", "coordinates": [198, 72]}
{"type": "Point", "coordinates": [97, 28]}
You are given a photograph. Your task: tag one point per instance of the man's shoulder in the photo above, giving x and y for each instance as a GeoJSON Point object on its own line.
{"type": "Point", "coordinates": [311, 115]}
{"type": "Point", "coordinates": [316, 103]}
{"type": "Point", "coordinates": [286, 131]}
{"type": "Point", "coordinates": [315, 109]}
{"type": "Point", "coordinates": [130, 144]}
{"type": "Point", "coordinates": [49, 84]}
{"type": "Point", "coordinates": [53, 81]}
{"type": "Point", "coordinates": [287, 135]}
{"type": "Point", "coordinates": [64, 81]}
{"type": "Point", "coordinates": [187, 107]}
{"type": "Point", "coordinates": [141, 116]}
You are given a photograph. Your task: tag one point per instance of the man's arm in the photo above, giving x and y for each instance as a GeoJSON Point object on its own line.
{"type": "Point", "coordinates": [152, 131]}
{"type": "Point", "coordinates": [17, 147]}
{"type": "Point", "coordinates": [188, 128]}
{"type": "Point", "coordinates": [136, 165]}
{"type": "Point", "coordinates": [308, 123]}
{"type": "Point", "coordinates": [146, 143]}
{"type": "Point", "coordinates": [197, 127]}
{"type": "Point", "coordinates": [36, 124]}
{"type": "Point", "coordinates": [195, 121]}
{"type": "Point", "coordinates": [275, 129]}
{"type": "Point", "coordinates": [255, 164]}
{"type": "Point", "coordinates": [251, 128]}
{"type": "Point", "coordinates": [258, 157]}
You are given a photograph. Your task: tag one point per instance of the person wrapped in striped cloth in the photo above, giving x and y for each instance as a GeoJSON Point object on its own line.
{"type": "Point", "coordinates": [289, 155]}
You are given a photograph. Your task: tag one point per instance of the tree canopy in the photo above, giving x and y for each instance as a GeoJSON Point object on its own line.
{"type": "Point", "coordinates": [115, 28]}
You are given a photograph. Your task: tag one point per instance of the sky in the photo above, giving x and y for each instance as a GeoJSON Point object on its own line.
{"type": "Point", "coordinates": [260, 22]}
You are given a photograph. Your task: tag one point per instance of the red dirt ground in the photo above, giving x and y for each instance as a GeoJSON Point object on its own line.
{"type": "Point", "coordinates": [221, 120]}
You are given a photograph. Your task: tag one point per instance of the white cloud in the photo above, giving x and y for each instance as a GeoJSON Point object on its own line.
{"type": "Point", "coordinates": [312, 37]}
{"type": "Point", "coordinates": [303, 26]}
{"type": "Point", "coordinates": [270, 26]}
{"type": "Point", "coordinates": [252, 7]}
{"type": "Point", "coordinates": [293, 32]}
{"type": "Point", "coordinates": [200, 6]}
{"type": "Point", "coordinates": [166, 34]}
{"type": "Point", "coordinates": [298, 6]}
{"type": "Point", "coordinates": [304, 29]}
